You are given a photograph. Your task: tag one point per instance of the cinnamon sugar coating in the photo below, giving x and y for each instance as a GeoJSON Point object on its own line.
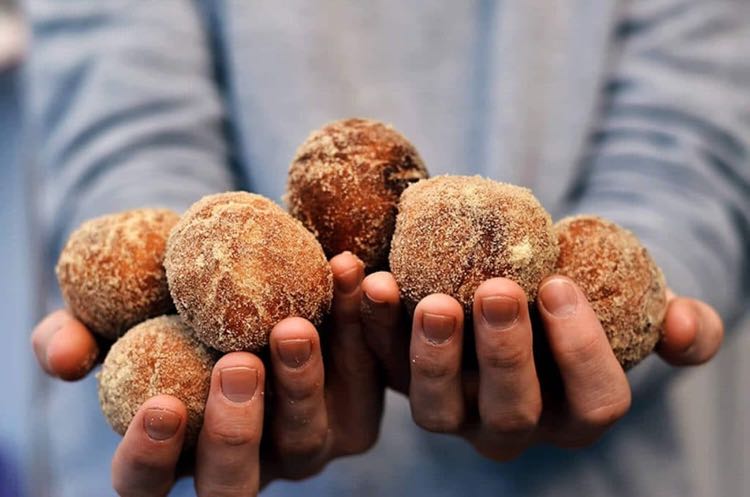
{"type": "Point", "coordinates": [344, 185]}
{"type": "Point", "coordinates": [158, 356]}
{"type": "Point", "coordinates": [237, 264]}
{"type": "Point", "coordinates": [111, 271]}
{"type": "Point", "coordinates": [623, 284]}
{"type": "Point", "coordinates": [454, 232]}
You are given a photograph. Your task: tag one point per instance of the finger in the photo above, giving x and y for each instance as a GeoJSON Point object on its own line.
{"type": "Point", "coordinates": [510, 399]}
{"type": "Point", "coordinates": [227, 462]}
{"type": "Point", "coordinates": [144, 463]}
{"type": "Point", "coordinates": [386, 329]}
{"type": "Point", "coordinates": [435, 391]}
{"type": "Point", "coordinates": [63, 346]}
{"type": "Point", "coordinates": [597, 392]}
{"type": "Point", "coordinates": [300, 421]}
{"type": "Point", "coordinates": [355, 389]}
{"type": "Point", "coordinates": [693, 332]}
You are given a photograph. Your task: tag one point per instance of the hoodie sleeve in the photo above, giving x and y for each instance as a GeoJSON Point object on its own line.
{"type": "Point", "coordinates": [670, 158]}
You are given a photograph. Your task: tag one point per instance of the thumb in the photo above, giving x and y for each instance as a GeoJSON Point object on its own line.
{"type": "Point", "coordinates": [692, 332]}
{"type": "Point", "coordinates": [63, 346]}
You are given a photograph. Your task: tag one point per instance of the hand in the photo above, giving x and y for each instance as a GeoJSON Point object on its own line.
{"type": "Point", "coordinates": [509, 401]}
{"type": "Point", "coordinates": [316, 421]}
{"type": "Point", "coordinates": [312, 419]}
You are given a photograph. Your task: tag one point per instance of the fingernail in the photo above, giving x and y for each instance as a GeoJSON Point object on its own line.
{"type": "Point", "coordinates": [559, 297]}
{"type": "Point", "coordinates": [373, 299]}
{"type": "Point", "coordinates": [295, 352]}
{"type": "Point", "coordinates": [500, 312]}
{"type": "Point", "coordinates": [437, 328]}
{"type": "Point", "coordinates": [161, 424]}
{"type": "Point", "coordinates": [348, 281]}
{"type": "Point", "coordinates": [238, 383]}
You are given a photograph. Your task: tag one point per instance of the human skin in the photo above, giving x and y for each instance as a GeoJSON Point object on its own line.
{"type": "Point", "coordinates": [501, 405]}
{"type": "Point", "coordinates": [504, 392]}
{"type": "Point", "coordinates": [314, 417]}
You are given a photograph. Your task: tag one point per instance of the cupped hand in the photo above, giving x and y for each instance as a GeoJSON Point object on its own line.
{"type": "Point", "coordinates": [311, 417]}
{"type": "Point", "coordinates": [504, 395]}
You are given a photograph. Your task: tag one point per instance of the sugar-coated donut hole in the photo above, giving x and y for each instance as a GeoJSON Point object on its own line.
{"type": "Point", "coordinates": [454, 232]}
{"type": "Point", "coordinates": [237, 264]}
{"type": "Point", "coordinates": [111, 271]}
{"type": "Point", "coordinates": [345, 182]}
{"type": "Point", "coordinates": [158, 356]}
{"type": "Point", "coordinates": [622, 283]}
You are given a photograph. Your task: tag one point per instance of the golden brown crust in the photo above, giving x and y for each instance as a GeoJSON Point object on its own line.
{"type": "Point", "coordinates": [454, 232]}
{"type": "Point", "coordinates": [237, 264]}
{"type": "Point", "coordinates": [623, 284]}
{"type": "Point", "coordinates": [344, 185]}
{"type": "Point", "coordinates": [111, 271]}
{"type": "Point", "coordinates": [158, 356]}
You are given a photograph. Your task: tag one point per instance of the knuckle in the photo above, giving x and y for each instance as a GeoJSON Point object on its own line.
{"type": "Point", "coordinates": [517, 424]}
{"type": "Point", "coordinates": [507, 357]}
{"type": "Point", "coordinates": [233, 434]}
{"type": "Point", "coordinates": [358, 444]}
{"type": "Point", "coordinates": [221, 489]}
{"type": "Point", "coordinates": [302, 445]}
{"type": "Point", "coordinates": [605, 415]}
{"type": "Point", "coordinates": [438, 422]}
{"type": "Point", "coordinates": [138, 463]}
{"type": "Point", "coordinates": [300, 387]}
{"type": "Point", "coordinates": [431, 368]}
{"type": "Point", "coordinates": [143, 462]}
{"type": "Point", "coordinates": [581, 350]}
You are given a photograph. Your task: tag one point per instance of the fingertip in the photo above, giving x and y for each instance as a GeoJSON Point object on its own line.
{"type": "Point", "coordinates": [291, 328]}
{"type": "Point", "coordinates": [559, 297]}
{"type": "Point", "coordinates": [71, 351]}
{"type": "Point", "coordinates": [164, 401]}
{"type": "Point", "coordinates": [240, 359]}
{"type": "Point", "coordinates": [499, 303]}
{"type": "Point", "coordinates": [440, 304]}
{"type": "Point", "coordinates": [500, 287]}
{"type": "Point", "coordinates": [163, 419]}
{"type": "Point", "coordinates": [348, 272]}
{"type": "Point", "coordinates": [345, 261]}
{"type": "Point", "coordinates": [381, 288]}
{"type": "Point", "coordinates": [227, 449]}
{"type": "Point", "coordinates": [692, 332]}
{"type": "Point", "coordinates": [146, 458]}
{"type": "Point", "coordinates": [43, 332]}
{"type": "Point", "coordinates": [680, 327]}
{"type": "Point", "coordinates": [54, 320]}
{"type": "Point", "coordinates": [438, 320]}
{"type": "Point", "coordinates": [238, 378]}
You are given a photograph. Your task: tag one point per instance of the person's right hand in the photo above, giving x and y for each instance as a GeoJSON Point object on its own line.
{"type": "Point", "coordinates": [315, 418]}
{"type": "Point", "coordinates": [147, 459]}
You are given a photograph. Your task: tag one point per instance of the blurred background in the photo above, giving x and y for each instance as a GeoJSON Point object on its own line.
{"type": "Point", "coordinates": [715, 436]}
{"type": "Point", "coordinates": [16, 369]}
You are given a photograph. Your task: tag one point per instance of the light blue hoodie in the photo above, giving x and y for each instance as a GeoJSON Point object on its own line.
{"type": "Point", "coordinates": [635, 110]}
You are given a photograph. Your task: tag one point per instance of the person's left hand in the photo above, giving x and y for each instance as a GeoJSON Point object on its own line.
{"type": "Point", "coordinates": [505, 400]}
